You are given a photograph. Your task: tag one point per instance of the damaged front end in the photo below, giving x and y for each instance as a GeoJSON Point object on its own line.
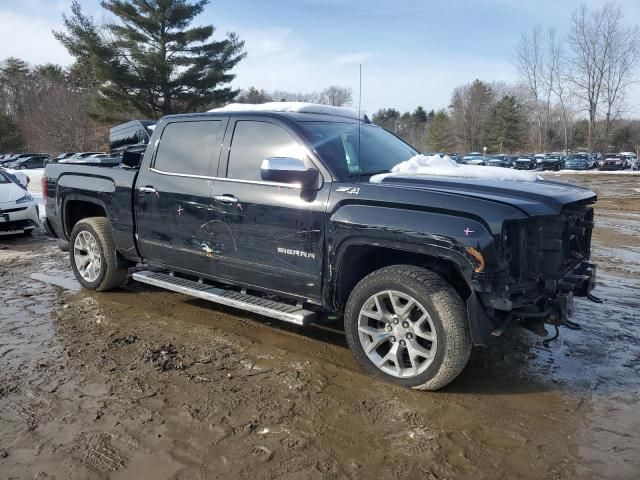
{"type": "Point", "coordinates": [547, 265]}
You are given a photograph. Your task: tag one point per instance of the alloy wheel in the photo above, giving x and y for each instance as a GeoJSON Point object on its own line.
{"type": "Point", "coordinates": [87, 256]}
{"type": "Point", "coordinates": [397, 334]}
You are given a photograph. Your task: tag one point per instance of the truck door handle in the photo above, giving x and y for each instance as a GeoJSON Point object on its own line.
{"type": "Point", "coordinates": [147, 189]}
{"type": "Point", "coordinates": [226, 198]}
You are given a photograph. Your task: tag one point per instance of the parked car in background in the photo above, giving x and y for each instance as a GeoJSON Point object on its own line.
{"type": "Point", "coordinates": [13, 158]}
{"type": "Point", "coordinates": [525, 162]}
{"type": "Point", "coordinates": [613, 161]}
{"type": "Point", "coordinates": [578, 161]}
{"type": "Point", "coordinates": [455, 157]}
{"type": "Point", "coordinates": [79, 156]}
{"type": "Point", "coordinates": [592, 160]}
{"type": "Point", "coordinates": [539, 158]}
{"type": "Point", "coordinates": [36, 161]}
{"type": "Point", "coordinates": [499, 160]}
{"type": "Point", "coordinates": [18, 210]}
{"type": "Point", "coordinates": [631, 160]}
{"type": "Point", "coordinates": [474, 159]}
{"type": "Point", "coordinates": [512, 160]}
{"type": "Point", "coordinates": [551, 161]}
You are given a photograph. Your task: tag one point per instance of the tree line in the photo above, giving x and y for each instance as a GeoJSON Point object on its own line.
{"type": "Point", "coordinates": [145, 59]}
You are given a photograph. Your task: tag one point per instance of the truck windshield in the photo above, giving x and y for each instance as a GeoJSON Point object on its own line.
{"type": "Point", "coordinates": [377, 151]}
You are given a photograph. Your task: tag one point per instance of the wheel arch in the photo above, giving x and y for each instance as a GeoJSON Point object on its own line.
{"type": "Point", "coordinates": [358, 257]}
{"type": "Point", "coordinates": [79, 207]}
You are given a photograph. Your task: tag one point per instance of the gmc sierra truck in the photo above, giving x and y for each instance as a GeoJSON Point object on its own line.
{"type": "Point", "coordinates": [274, 212]}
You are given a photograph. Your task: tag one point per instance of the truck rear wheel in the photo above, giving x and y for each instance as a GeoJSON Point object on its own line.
{"type": "Point", "coordinates": [407, 325]}
{"type": "Point", "coordinates": [93, 255]}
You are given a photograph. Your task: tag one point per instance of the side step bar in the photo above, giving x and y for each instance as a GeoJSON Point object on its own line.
{"type": "Point", "coordinates": [230, 298]}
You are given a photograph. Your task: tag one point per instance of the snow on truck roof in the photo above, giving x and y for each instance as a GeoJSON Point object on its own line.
{"type": "Point", "coordinates": [292, 107]}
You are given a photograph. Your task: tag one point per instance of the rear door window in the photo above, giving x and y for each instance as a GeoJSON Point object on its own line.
{"type": "Point", "coordinates": [188, 147]}
{"type": "Point", "coordinates": [255, 141]}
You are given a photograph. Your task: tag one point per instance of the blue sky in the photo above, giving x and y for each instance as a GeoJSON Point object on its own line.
{"type": "Point", "coordinates": [414, 52]}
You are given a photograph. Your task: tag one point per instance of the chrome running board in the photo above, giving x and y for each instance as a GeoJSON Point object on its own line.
{"type": "Point", "coordinates": [231, 298]}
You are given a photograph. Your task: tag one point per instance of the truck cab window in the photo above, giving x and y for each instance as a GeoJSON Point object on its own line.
{"type": "Point", "coordinates": [253, 141]}
{"type": "Point", "coordinates": [187, 147]}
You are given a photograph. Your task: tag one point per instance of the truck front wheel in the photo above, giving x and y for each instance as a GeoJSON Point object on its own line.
{"type": "Point", "coordinates": [93, 255]}
{"type": "Point", "coordinates": [407, 325]}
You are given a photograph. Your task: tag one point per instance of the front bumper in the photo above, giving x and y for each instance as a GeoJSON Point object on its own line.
{"type": "Point", "coordinates": [490, 314]}
{"type": "Point", "coordinates": [549, 166]}
{"type": "Point", "coordinates": [614, 166]}
{"type": "Point", "coordinates": [18, 218]}
{"type": "Point", "coordinates": [569, 166]}
{"type": "Point", "coordinates": [524, 166]}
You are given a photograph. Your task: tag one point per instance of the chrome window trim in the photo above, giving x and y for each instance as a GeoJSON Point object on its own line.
{"type": "Point", "coordinates": [224, 179]}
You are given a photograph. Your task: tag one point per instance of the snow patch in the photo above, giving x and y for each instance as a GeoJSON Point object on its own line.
{"type": "Point", "coordinates": [295, 107]}
{"type": "Point", "coordinates": [435, 165]}
{"type": "Point", "coordinates": [34, 175]}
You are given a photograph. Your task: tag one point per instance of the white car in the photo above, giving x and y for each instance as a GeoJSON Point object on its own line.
{"type": "Point", "coordinates": [18, 209]}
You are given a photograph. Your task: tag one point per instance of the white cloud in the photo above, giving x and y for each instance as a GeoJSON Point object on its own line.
{"type": "Point", "coordinates": [268, 41]}
{"type": "Point", "coordinates": [30, 39]}
{"type": "Point", "coordinates": [349, 58]}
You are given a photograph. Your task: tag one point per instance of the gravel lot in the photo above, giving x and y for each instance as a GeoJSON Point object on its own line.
{"type": "Point", "coordinates": [143, 383]}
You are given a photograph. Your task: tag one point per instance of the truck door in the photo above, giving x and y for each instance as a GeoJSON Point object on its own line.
{"type": "Point", "coordinates": [172, 195]}
{"type": "Point", "coordinates": [266, 233]}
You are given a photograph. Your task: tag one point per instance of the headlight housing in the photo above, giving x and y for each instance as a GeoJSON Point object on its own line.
{"type": "Point", "coordinates": [27, 198]}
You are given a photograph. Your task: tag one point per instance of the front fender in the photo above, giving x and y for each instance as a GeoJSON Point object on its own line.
{"type": "Point", "coordinates": [434, 234]}
{"type": "Point", "coordinates": [435, 231]}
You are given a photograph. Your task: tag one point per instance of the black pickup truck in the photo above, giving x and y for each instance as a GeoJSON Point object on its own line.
{"type": "Point", "coordinates": [275, 212]}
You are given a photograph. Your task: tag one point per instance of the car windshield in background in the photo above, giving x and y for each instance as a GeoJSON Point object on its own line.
{"type": "Point", "coordinates": [377, 151]}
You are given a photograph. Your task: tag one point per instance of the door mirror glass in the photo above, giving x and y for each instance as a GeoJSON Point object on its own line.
{"type": "Point", "coordinates": [289, 170]}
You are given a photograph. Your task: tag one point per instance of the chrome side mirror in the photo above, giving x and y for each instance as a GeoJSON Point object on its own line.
{"type": "Point", "coordinates": [289, 170]}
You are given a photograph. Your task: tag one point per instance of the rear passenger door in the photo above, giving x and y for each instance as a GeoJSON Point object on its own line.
{"type": "Point", "coordinates": [173, 194]}
{"type": "Point", "coordinates": [265, 233]}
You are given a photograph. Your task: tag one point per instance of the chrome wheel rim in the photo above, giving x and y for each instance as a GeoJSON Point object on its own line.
{"type": "Point", "coordinates": [397, 334]}
{"type": "Point", "coordinates": [87, 256]}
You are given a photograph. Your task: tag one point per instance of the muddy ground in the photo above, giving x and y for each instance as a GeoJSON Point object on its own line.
{"type": "Point", "coordinates": [143, 383]}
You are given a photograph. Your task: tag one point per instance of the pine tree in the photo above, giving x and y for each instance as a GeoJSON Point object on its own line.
{"type": "Point", "coordinates": [420, 115]}
{"type": "Point", "coordinates": [14, 80]}
{"type": "Point", "coordinates": [387, 118]}
{"type": "Point", "coordinates": [253, 95]}
{"type": "Point", "coordinates": [148, 60]}
{"type": "Point", "coordinates": [10, 136]}
{"type": "Point", "coordinates": [439, 133]}
{"type": "Point", "coordinates": [505, 126]}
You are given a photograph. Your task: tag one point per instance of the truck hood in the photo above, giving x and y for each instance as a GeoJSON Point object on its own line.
{"type": "Point", "coordinates": [533, 198]}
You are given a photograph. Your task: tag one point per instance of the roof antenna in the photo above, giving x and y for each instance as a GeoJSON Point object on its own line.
{"type": "Point", "coordinates": [359, 114]}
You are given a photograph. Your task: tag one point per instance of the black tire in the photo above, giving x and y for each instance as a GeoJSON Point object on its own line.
{"type": "Point", "coordinates": [110, 275]}
{"type": "Point", "coordinates": [444, 306]}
